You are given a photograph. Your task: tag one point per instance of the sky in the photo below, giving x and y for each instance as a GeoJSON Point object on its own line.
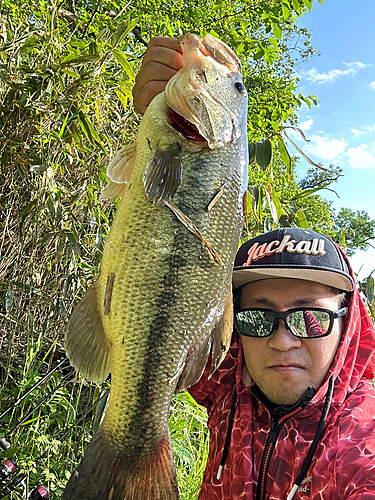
{"type": "Point", "coordinates": [341, 128]}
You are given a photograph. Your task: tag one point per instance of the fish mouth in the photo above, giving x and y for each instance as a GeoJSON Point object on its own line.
{"type": "Point", "coordinates": [184, 127]}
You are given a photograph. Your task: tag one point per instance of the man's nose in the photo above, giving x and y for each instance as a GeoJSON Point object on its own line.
{"type": "Point", "coordinates": [282, 339]}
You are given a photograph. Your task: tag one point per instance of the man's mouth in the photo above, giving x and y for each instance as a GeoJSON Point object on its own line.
{"type": "Point", "coordinates": [287, 366]}
{"type": "Point", "coordinates": [185, 128]}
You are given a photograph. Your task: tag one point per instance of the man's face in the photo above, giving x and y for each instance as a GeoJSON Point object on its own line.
{"type": "Point", "coordinates": [281, 365]}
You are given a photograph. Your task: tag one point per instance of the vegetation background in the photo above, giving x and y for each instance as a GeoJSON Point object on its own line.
{"type": "Point", "coordinates": [66, 73]}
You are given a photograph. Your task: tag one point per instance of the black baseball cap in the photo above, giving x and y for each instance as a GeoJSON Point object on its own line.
{"type": "Point", "coordinates": [291, 252]}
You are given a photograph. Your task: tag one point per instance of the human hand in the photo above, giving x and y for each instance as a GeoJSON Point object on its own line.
{"type": "Point", "coordinates": [162, 60]}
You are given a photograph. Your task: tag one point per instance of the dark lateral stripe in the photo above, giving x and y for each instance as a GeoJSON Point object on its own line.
{"type": "Point", "coordinates": [158, 331]}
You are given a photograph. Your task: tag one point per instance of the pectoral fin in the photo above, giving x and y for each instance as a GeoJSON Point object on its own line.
{"type": "Point", "coordinates": [196, 361]}
{"type": "Point", "coordinates": [162, 175]}
{"type": "Point", "coordinates": [86, 343]}
{"type": "Point", "coordinates": [119, 171]}
{"type": "Point", "coordinates": [222, 333]}
{"type": "Point", "coordinates": [111, 190]}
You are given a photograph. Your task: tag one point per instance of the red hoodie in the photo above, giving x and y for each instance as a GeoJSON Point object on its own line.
{"type": "Point", "coordinates": [268, 448]}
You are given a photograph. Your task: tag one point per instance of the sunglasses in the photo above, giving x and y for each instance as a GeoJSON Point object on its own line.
{"type": "Point", "coordinates": [304, 322]}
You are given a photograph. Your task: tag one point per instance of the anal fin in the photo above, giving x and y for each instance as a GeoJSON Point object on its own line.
{"type": "Point", "coordinates": [222, 334]}
{"type": "Point", "coordinates": [86, 344]}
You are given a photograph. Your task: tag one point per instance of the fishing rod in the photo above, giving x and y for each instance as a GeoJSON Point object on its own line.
{"type": "Point", "coordinates": [16, 403]}
{"type": "Point", "coordinates": [4, 444]}
{"type": "Point", "coordinates": [63, 436]}
{"type": "Point", "coordinates": [39, 492]}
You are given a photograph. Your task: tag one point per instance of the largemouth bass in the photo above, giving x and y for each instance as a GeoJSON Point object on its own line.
{"type": "Point", "coordinates": [163, 297]}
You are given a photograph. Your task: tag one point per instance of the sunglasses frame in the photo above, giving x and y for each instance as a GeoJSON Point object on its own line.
{"type": "Point", "coordinates": [276, 316]}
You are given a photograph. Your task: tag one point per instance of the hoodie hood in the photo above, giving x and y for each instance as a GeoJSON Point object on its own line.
{"type": "Point", "coordinates": [355, 356]}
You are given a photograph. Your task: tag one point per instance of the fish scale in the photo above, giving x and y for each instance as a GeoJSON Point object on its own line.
{"type": "Point", "coordinates": [161, 299]}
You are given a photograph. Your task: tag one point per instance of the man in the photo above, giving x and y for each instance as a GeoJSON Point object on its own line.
{"type": "Point", "coordinates": [291, 408]}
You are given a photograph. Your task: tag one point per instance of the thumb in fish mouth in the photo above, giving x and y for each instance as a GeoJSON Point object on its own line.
{"type": "Point", "coordinates": [208, 46]}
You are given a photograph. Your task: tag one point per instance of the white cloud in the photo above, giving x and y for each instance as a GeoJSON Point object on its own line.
{"type": "Point", "coordinates": [373, 84]}
{"type": "Point", "coordinates": [354, 66]}
{"type": "Point", "coordinates": [351, 69]}
{"type": "Point", "coordinates": [361, 157]}
{"type": "Point", "coordinates": [306, 125]}
{"type": "Point", "coordinates": [371, 128]}
{"type": "Point", "coordinates": [357, 132]}
{"type": "Point", "coordinates": [326, 148]}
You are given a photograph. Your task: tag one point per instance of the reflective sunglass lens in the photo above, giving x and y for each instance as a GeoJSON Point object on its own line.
{"type": "Point", "coordinates": [309, 323]}
{"type": "Point", "coordinates": [253, 323]}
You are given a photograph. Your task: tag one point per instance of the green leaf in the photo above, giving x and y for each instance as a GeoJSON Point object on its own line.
{"type": "Point", "coordinates": [79, 60]}
{"type": "Point", "coordinates": [73, 243]}
{"type": "Point", "coordinates": [263, 153]}
{"type": "Point", "coordinates": [93, 49]}
{"type": "Point", "coordinates": [302, 221]}
{"type": "Point", "coordinates": [277, 31]}
{"type": "Point", "coordinates": [255, 198]}
{"type": "Point", "coordinates": [121, 58]}
{"type": "Point", "coordinates": [89, 131]}
{"type": "Point", "coordinates": [308, 4]}
{"type": "Point", "coordinates": [296, 5]}
{"type": "Point", "coordinates": [272, 207]}
{"type": "Point", "coordinates": [46, 237]}
{"type": "Point", "coordinates": [258, 55]}
{"type": "Point", "coordinates": [306, 192]}
{"type": "Point", "coordinates": [276, 200]}
{"type": "Point", "coordinates": [251, 152]}
{"type": "Point", "coordinates": [286, 11]}
{"type": "Point", "coordinates": [122, 30]}
{"type": "Point", "coordinates": [267, 224]}
{"type": "Point", "coordinates": [259, 212]}
{"type": "Point", "coordinates": [60, 134]}
{"type": "Point", "coordinates": [285, 156]}
{"type": "Point", "coordinates": [370, 288]}
{"type": "Point", "coordinates": [123, 99]}
{"type": "Point", "coordinates": [29, 207]}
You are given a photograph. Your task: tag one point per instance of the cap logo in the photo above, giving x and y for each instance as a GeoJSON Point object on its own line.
{"type": "Point", "coordinates": [256, 251]}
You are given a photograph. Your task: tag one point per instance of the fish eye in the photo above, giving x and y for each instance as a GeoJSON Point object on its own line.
{"type": "Point", "coordinates": [240, 87]}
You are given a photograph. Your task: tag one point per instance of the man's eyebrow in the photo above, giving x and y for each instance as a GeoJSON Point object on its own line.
{"type": "Point", "coordinates": [263, 301]}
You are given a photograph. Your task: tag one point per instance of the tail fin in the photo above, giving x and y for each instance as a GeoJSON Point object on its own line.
{"type": "Point", "coordinates": [106, 474]}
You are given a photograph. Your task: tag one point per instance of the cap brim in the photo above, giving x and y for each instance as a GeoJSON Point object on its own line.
{"type": "Point", "coordinates": [243, 275]}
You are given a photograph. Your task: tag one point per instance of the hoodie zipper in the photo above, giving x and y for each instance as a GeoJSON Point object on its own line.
{"type": "Point", "coordinates": [268, 450]}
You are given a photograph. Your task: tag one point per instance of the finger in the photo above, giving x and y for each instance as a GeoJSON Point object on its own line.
{"type": "Point", "coordinates": [163, 55]}
{"type": "Point", "coordinates": [165, 41]}
{"type": "Point", "coordinates": [142, 99]}
{"type": "Point", "coordinates": [153, 71]}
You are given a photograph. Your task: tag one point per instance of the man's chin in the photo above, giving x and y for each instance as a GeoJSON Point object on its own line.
{"type": "Point", "coordinates": [284, 396]}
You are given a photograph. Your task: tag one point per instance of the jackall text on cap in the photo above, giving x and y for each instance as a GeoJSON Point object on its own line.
{"type": "Point", "coordinates": [292, 253]}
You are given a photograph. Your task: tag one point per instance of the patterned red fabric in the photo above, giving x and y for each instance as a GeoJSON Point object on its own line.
{"type": "Point", "coordinates": [343, 466]}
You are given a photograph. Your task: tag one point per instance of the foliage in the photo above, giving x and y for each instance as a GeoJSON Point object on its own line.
{"type": "Point", "coordinates": [367, 290]}
{"type": "Point", "coordinates": [276, 199]}
{"type": "Point", "coordinates": [354, 229]}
